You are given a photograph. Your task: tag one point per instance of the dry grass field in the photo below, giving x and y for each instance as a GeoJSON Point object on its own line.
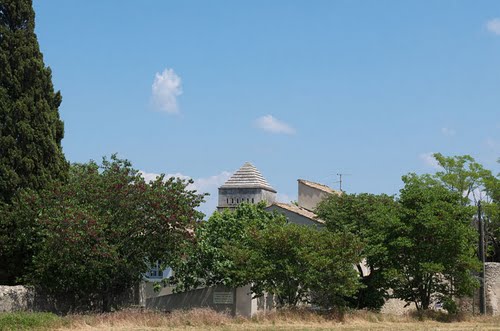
{"type": "Point", "coordinates": [204, 319]}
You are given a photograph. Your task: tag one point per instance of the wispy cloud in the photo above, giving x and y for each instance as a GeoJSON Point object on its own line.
{"type": "Point", "coordinates": [493, 26]}
{"type": "Point", "coordinates": [165, 90]}
{"type": "Point", "coordinates": [429, 160]}
{"type": "Point", "coordinates": [448, 132]}
{"type": "Point", "coordinates": [208, 185]}
{"type": "Point", "coordinates": [272, 124]}
{"type": "Point", "coordinates": [149, 176]}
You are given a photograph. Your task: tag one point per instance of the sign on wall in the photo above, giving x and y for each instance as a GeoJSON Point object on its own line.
{"type": "Point", "coordinates": [225, 298]}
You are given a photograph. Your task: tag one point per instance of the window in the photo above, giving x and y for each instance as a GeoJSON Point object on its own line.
{"type": "Point", "coordinates": [252, 200]}
{"type": "Point", "coordinates": [155, 271]}
{"type": "Point", "coordinates": [237, 200]}
{"type": "Point", "coordinates": [232, 200]}
{"type": "Point", "coordinates": [227, 200]}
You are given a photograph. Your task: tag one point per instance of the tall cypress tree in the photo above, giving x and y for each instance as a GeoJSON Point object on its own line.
{"type": "Point", "coordinates": [30, 128]}
{"type": "Point", "coordinates": [31, 156]}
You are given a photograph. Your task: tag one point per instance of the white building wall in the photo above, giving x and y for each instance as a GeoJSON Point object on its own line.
{"type": "Point", "coordinates": [310, 197]}
{"type": "Point", "coordinates": [232, 197]}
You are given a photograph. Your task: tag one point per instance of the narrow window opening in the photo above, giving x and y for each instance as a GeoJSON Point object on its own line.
{"type": "Point", "coordinates": [252, 200]}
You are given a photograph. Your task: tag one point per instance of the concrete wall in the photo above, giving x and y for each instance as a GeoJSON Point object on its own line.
{"type": "Point", "coordinates": [24, 298]}
{"type": "Point", "coordinates": [237, 302]}
{"type": "Point", "coordinates": [310, 197]}
{"type": "Point", "coordinates": [232, 197]}
{"type": "Point", "coordinates": [203, 297]}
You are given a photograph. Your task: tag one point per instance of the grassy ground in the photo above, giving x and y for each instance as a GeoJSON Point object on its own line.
{"type": "Point", "coordinates": [27, 321]}
{"type": "Point", "coordinates": [204, 319]}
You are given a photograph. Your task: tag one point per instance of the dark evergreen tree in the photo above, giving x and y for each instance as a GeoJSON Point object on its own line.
{"type": "Point", "coordinates": [30, 129]}
{"type": "Point", "coordinates": [31, 156]}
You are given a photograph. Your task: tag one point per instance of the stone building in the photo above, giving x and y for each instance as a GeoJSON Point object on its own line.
{"type": "Point", "coordinates": [248, 185]}
{"type": "Point", "coordinates": [245, 185]}
{"type": "Point", "coordinates": [310, 195]}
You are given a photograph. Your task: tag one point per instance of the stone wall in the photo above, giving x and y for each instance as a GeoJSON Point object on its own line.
{"type": "Point", "coordinates": [24, 298]}
{"type": "Point", "coordinates": [396, 307]}
{"type": "Point", "coordinates": [16, 298]}
{"type": "Point", "coordinates": [492, 289]}
{"type": "Point", "coordinates": [233, 197]}
{"type": "Point", "coordinates": [234, 301]}
{"type": "Point", "coordinates": [203, 297]}
{"type": "Point", "coordinates": [492, 277]}
{"type": "Point", "coordinates": [468, 304]}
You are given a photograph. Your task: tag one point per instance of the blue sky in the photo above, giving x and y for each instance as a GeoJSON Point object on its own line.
{"type": "Point", "coordinates": [302, 89]}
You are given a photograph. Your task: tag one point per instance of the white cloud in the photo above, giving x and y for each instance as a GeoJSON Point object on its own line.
{"type": "Point", "coordinates": [272, 124]}
{"type": "Point", "coordinates": [165, 90]}
{"type": "Point", "coordinates": [429, 160]}
{"type": "Point", "coordinates": [493, 26]}
{"type": "Point", "coordinates": [149, 176]}
{"type": "Point", "coordinates": [448, 132]}
{"type": "Point", "coordinates": [210, 184]}
{"type": "Point", "coordinates": [202, 185]}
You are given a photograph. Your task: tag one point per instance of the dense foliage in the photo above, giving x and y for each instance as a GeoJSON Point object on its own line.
{"type": "Point", "coordinates": [208, 263]}
{"type": "Point", "coordinates": [89, 232]}
{"type": "Point", "coordinates": [95, 236]}
{"type": "Point", "coordinates": [463, 175]}
{"type": "Point", "coordinates": [30, 129]}
{"type": "Point", "coordinates": [492, 213]}
{"type": "Point", "coordinates": [371, 218]}
{"type": "Point", "coordinates": [432, 252]}
{"type": "Point", "coordinates": [297, 264]}
{"type": "Point", "coordinates": [31, 155]}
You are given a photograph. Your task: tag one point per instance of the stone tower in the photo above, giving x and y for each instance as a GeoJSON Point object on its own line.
{"type": "Point", "coordinates": [245, 185]}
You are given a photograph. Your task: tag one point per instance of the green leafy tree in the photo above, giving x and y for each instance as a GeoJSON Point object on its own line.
{"type": "Point", "coordinates": [31, 155]}
{"type": "Point", "coordinates": [96, 235]}
{"type": "Point", "coordinates": [297, 264]}
{"type": "Point", "coordinates": [208, 263]}
{"type": "Point", "coordinates": [17, 233]}
{"type": "Point", "coordinates": [371, 218]}
{"type": "Point", "coordinates": [249, 245]}
{"type": "Point", "coordinates": [462, 174]}
{"type": "Point", "coordinates": [432, 252]}
{"type": "Point", "coordinates": [492, 213]}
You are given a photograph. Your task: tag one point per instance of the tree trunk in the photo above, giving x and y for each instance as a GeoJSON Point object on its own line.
{"type": "Point", "coordinates": [106, 302]}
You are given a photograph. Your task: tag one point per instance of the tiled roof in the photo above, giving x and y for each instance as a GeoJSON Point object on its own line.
{"type": "Point", "coordinates": [318, 186]}
{"type": "Point", "coordinates": [248, 176]}
{"type": "Point", "coordinates": [300, 211]}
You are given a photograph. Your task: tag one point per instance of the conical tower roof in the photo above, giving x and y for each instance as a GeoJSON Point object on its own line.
{"type": "Point", "coordinates": [248, 176]}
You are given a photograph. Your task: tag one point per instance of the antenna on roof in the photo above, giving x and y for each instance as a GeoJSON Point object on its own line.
{"type": "Point", "coordinates": [340, 179]}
